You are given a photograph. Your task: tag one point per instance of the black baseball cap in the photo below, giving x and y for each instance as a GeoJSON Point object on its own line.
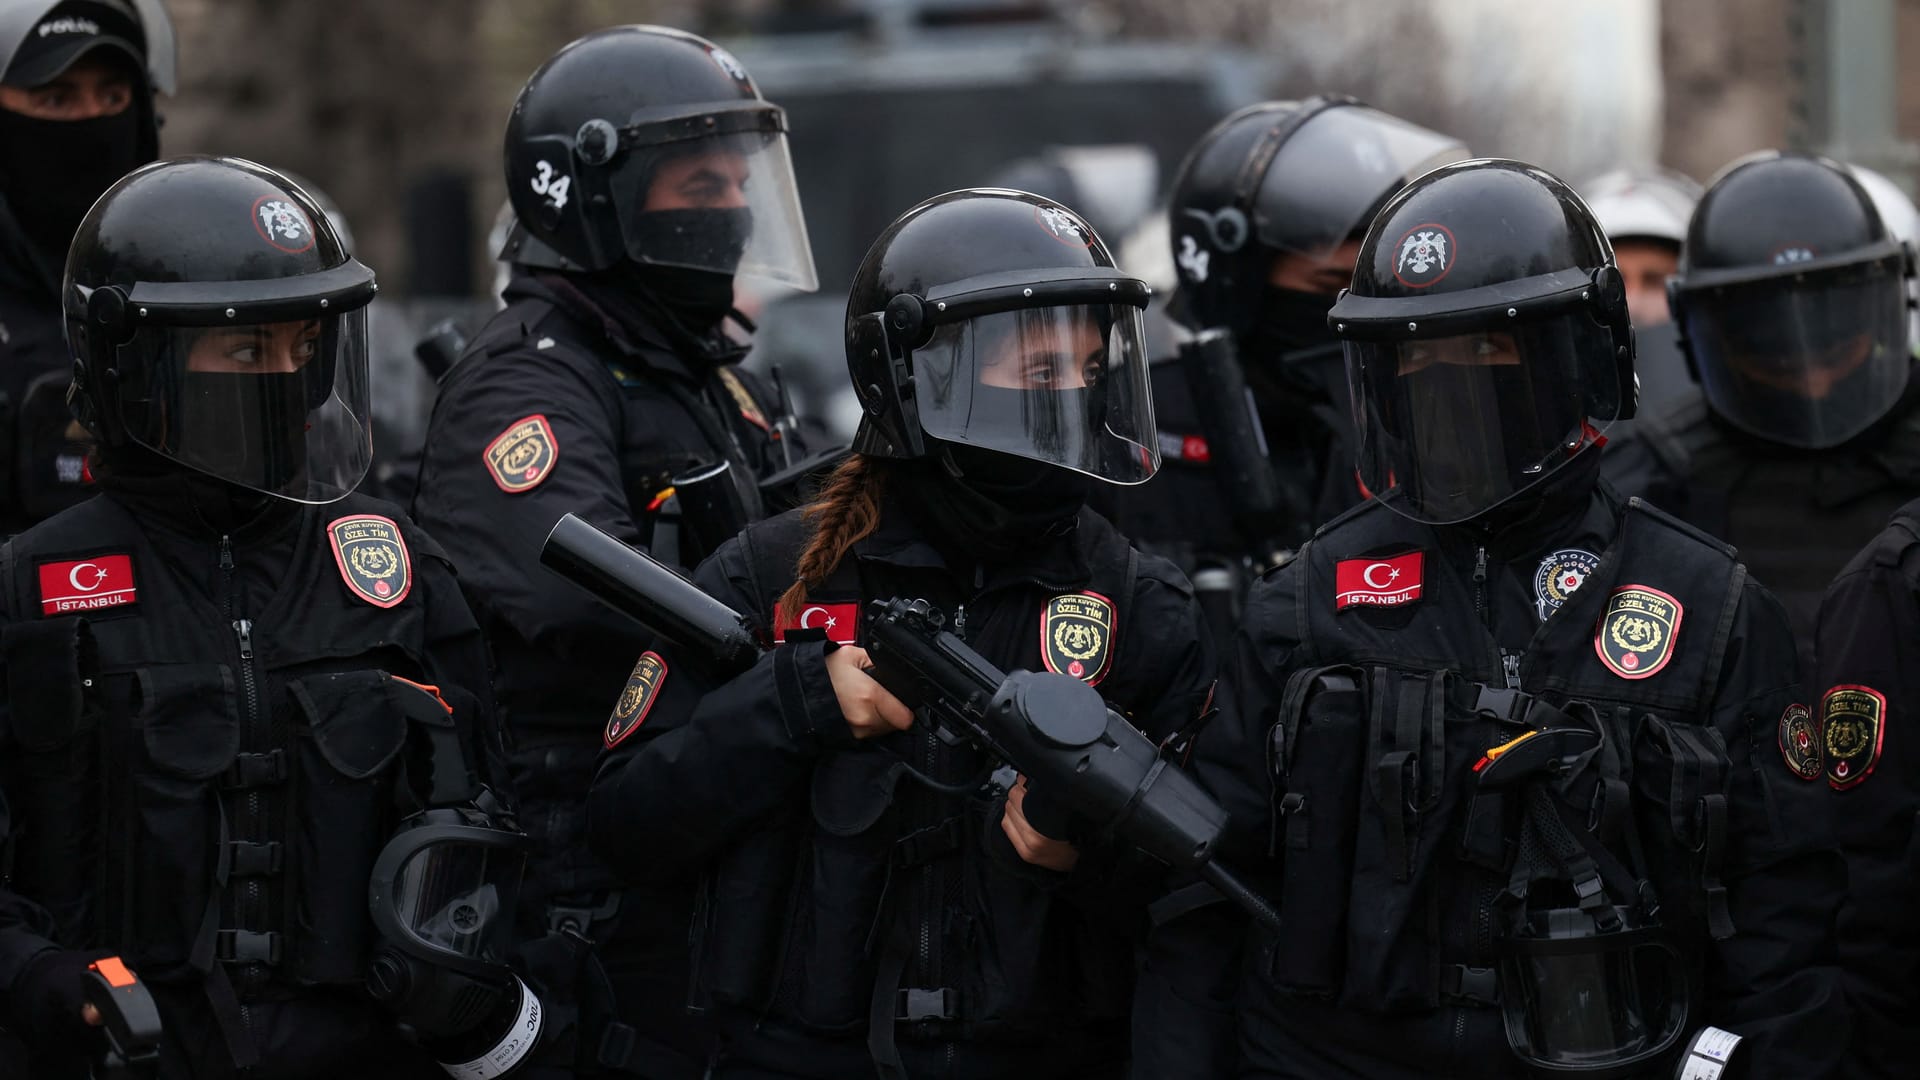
{"type": "Point", "coordinates": [71, 30]}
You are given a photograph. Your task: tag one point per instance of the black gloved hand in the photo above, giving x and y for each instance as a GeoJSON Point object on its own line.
{"type": "Point", "coordinates": [47, 997]}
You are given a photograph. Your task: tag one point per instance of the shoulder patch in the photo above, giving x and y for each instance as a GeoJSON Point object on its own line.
{"type": "Point", "coordinates": [636, 698]}
{"type": "Point", "coordinates": [1385, 581]}
{"type": "Point", "coordinates": [1076, 636]}
{"type": "Point", "coordinates": [372, 557]}
{"type": "Point", "coordinates": [523, 455]}
{"type": "Point", "coordinates": [837, 622]}
{"type": "Point", "coordinates": [1635, 634]}
{"type": "Point", "coordinates": [1853, 725]}
{"type": "Point", "coordinates": [749, 408]}
{"type": "Point", "coordinates": [102, 581]}
{"type": "Point", "coordinates": [1800, 743]}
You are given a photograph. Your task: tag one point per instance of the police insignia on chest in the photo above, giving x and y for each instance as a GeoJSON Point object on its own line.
{"type": "Point", "coordinates": [1076, 636]}
{"type": "Point", "coordinates": [1800, 742]}
{"type": "Point", "coordinates": [1853, 724]}
{"type": "Point", "coordinates": [636, 698]}
{"type": "Point", "coordinates": [520, 457]}
{"type": "Point", "coordinates": [372, 557]}
{"type": "Point", "coordinates": [1635, 635]}
{"type": "Point", "coordinates": [1558, 576]}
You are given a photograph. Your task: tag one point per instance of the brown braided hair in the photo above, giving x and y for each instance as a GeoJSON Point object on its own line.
{"type": "Point", "coordinates": [845, 512]}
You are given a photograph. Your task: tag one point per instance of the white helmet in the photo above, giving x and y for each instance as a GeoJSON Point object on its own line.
{"type": "Point", "coordinates": [1643, 202]}
{"type": "Point", "coordinates": [1897, 212]}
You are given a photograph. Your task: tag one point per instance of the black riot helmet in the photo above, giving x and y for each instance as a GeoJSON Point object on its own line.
{"type": "Point", "coordinates": [1791, 301]}
{"type": "Point", "coordinates": [651, 145]}
{"type": "Point", "coordinates": [217, 322]}
{"type": "Point", "coordinates": [1593, 993]}
{"type": "Point", "coordinates": [1487, 338]}
{"type": "Point", "coordinates": [51, 170]}
{"type": "Point", "coordinates": [995, 320]}
{"type": "Point", "coordinates": [1284, 176]}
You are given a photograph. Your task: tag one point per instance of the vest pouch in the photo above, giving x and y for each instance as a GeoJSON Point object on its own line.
{"type": "Point", "coordinates": [1315, 752]}
{"type": "Point", "coordinates": [744, 913]}
{"type": "Point", "coordinates": [188, 719]}
{"type": "Point", "coordinates": [350, 728]}
{"type": "Point", "coordinates": [1417, 777]}
{"type": "Point", "coordinates": [53, 772]}
{"type": "Point", "coordinates": [842, 896]}
{"type": "Point", "coordinates": [1681, 774]}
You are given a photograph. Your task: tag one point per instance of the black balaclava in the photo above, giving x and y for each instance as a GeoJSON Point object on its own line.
{"type": "Point", "coordinates": [259, 419]}
{"type": "Point", "coordinates": [993, 506]}
{"type": "Point", "coordinates": [52, 171]}
{"type": "Point", "coordinates": [1290, 350]}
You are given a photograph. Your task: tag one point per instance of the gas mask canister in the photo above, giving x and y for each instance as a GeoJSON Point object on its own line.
{"type": "Point", "coordinates": [443, 896]}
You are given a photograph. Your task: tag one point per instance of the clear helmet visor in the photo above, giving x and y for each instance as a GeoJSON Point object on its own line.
{"type": "Point", "coordinates": [1806, 363]}
{"type": "Point", "coordinates": [457, 899]}
{"type": "Point", "coordinates": [1594, 1006]}
{"type": "Point", "coordinates": [278, 408]}
{"type": "Point", "coordinates": [1333, 172]}
{"type": "Point", "coordinates": [1460, 424]}
{"type": "Point", "coordinates": [1063, 385]}
{"type": "Point", "coordinates": [727, 203]}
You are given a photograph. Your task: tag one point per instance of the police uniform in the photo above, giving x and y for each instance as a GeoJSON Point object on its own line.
{"type": "Point", "coordinates": [607, 378]}
{"type": "Point", "coordinates": [230, 679]}
{"type": "Point", "coordinates": [1509, 743]}
{"type": "Point", "coordinates": [208, 738]}
{"type": "Point", "coordinates": [1470, 605]}
{"type": "Point", "coordinates": [900, 893]}
{"type": "Point", "coordinates": [1858, 749]}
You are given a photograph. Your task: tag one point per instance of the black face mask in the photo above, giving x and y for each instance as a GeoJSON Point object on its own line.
{"type": "Point", "coordinates": [1290, 350]}
{"type": "Point", "coordinates": [248, 429]}
{"type": "Point", "coordinates": [697, 299]}
{"type": "Point", "coordinates": [999, 507]}
{"type": "Point", "coordinates": [712, 239]}
{"type": "Point", "coordinates": [54, 170]}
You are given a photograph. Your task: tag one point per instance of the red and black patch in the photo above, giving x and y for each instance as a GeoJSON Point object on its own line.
{"type": "Point", "coordinates": [636, 698]}
{"type": "Point", "coordinates": [520, 457]}
{"type": "Point", "coordinates": [1386, 581]}
{"type": "Point", "coordinates": [1076, 636]}
{"type": "Point", "coordinates": [1635, 635]}
{"type": "Point", "coordinates": [1853, 725]}
{"type": "Point", "coordinates": [282, 223]}
{"type": "Point", "coordinates": [372, 557]}
{"type": "Point", "coordinates": [750, 410]}
{"type": "Point", "coordinates": [836, 621]}
{"type": "Point", "coordinates": [1423, 255]}
{"type": "Point", "coordinates": [102, 581]}
{"type": "Point", "coordinates": [1800, 742]}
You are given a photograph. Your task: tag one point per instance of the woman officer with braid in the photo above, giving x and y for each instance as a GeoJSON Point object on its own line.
{"type": "Point", "coordinates": [870, 901]}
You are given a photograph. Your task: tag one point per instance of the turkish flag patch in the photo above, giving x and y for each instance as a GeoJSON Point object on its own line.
{"type": "Point", "coordinates": [1388, 581]}
{"type": "Point", "coordinates": [636, 698]}
{"type": "Point", "coordinates": [835, 620]}
{"type": "Point", "coordinates": [103, 581]}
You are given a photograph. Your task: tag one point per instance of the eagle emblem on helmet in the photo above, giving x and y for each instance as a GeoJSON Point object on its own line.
{"type": "Point", "coordinates": [1424, 255]}
{"type": "Point", "coordinates": [283, 224]}
{"type": "Point", "coordinates": [1062, 226]}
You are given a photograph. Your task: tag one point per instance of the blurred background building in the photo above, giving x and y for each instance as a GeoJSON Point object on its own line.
{"type": "Point", "coordinates": [394, 108]}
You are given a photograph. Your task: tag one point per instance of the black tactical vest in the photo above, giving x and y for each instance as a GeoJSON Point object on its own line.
{"type": "Point", "coordinates": [195, 785]}
{"type": "Point", "coordinates": [1400, 869]}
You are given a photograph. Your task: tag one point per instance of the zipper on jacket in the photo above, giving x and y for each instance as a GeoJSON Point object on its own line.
{"type": "Point", "coordinates": [1510, 666]}
{"type": "Point", "coordinates": [250, 903]}
{"type": "Point", "coordinates": [1480, 585]}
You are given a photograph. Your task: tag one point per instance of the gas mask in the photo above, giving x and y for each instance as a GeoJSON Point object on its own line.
{"type": "Point", "coordinates": [443, 895]}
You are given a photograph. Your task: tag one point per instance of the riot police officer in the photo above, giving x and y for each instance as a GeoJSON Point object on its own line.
{"type": "Point", "coordinates": [1514, 738]}
{"type": "Point", "coordinates": [1644, 212]}
{"type": "Point", "coordinates": [77, 86]}
{"type": "Point", "coordinates": [647, 172]}
{"type": "Point", "coordinates": [230, 679]}
{"type": "Point", "coordinates": [1853, 744]}
{"type": "Point", "coordinates": [872, 898]}
{"type": "Point", "coordinates": [1266, 215]}
{"type": "Point", "coordinates": [1791, 303]}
